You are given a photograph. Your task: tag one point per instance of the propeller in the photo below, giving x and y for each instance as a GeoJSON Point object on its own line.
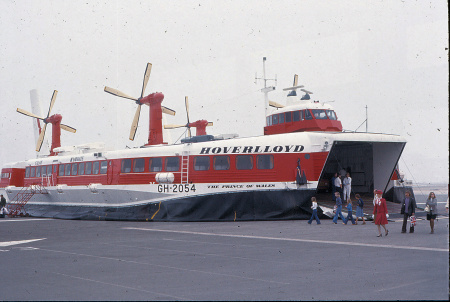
{"type": "Point", "coordinates": [275, 104]}
{"type": "Point", "coordinates": [46, 120]}
{"type": "Point", "coordinates": [118, 93]}
{"type": "Point", "coordinates": [295, 84]}
{"type": "Point", "coordinates": [198, 123]}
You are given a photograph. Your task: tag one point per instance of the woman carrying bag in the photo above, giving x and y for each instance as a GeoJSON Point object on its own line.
{"type": "Point", "coordinates": [432, 212]}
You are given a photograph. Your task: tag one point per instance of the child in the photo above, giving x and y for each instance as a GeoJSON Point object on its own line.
{"type": "Point", "coordinates": [359, 209]}
{"type": "Point", "coordinates": [314, 213]}
{"type": "Point", "coordinates": [349, 215]}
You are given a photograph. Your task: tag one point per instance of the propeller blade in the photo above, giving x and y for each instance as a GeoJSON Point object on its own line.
{"type": "Point", "coordinates": [295, 80]}
{"type": "Point", "coordinates": [167, 110]}
{"type": "Point", "coordinates": [172, 126]}
{"type": "Point", "coordinates": [308, 92]}
{"type": "Point", "coordinates": [68, 128]}
{"type": "Point", "coordinates": [118, 93]}
{"type": "Point", "coordinates": [210, 124]}
{"type": "Point", "coordinates": [186, 103]}
{"type": "Point", "coordinates": [52, 102]}
{"type": "Point", "coordinates": [293, 88]}
{"type": "Point", "coordinates": [29, 114]}
{"type": "Point", "coordinates": [146, 77]}
{"type": "Point", "coordinates": [41, 138]}
{"type": "Point", "coordinates": [275, 104]}
{"type": "Point", "coordinates": [135, 123]}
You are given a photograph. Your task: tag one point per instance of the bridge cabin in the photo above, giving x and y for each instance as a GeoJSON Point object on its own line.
{"type": "Point", "coordinates": [302, 114]}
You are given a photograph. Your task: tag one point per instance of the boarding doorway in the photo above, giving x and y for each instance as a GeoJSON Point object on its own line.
{"type": "Point", "coordinates": [370, 164]}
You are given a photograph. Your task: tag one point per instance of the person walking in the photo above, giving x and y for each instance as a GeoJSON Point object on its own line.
{"type": "Point", "coordinates": [349, 213]}
{"type": "Point", "coordinates": [359, 209]}
{"type": "Point", "coordinates": [408, 209]}
{"type": "Point", "coordinates": [2, 201]}
{"type": "Point", "coordinates": [2, 206]}
{"type": "Point", "coordinates": [381, 211]}
{"type": "Point", "coordinates": [347, 182]}
{"type": "Point", "coordinates": [431, 215]}
{"type": "Point", "coordinates": [338, 208]}
{"type": "Point", "coordinates": [314, 213]}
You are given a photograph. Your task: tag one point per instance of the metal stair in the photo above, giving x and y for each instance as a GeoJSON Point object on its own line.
{"type": "Point", "coordinates": [16, 207]}
{"type": "Point", "coordinates": [185, 167]}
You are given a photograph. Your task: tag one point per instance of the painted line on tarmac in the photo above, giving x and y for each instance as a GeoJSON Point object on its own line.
{"type": "Point", "coordinates": [296, 240]}
{"type": "Point", "coordinates": [9, 243]}
{"type": "Point", "coordinates": [164, 266]}
{"type": "Point", "coordinates": [120, 285]}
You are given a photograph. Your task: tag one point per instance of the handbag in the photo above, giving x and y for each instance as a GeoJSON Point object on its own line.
{"type": "Point", "coordinates": [412, 220]}
{"type": "Point", "coordinates": [427, 209]}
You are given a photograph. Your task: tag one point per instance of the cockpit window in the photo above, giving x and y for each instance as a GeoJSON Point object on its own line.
{"type": "Point", "coordinates": [275, 119]}
{"type": "Point", "coordinates": [319, 114]}
{"type": "Point", "coordinates": [288, 117]}
{"type": "Point", "coordinates": [331, 115]}
{"type": "Point", "coordinates": [307, 115]}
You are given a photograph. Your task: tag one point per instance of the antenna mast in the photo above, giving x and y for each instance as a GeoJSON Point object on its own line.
{"type": "Point", "coordinates": [266, 89]}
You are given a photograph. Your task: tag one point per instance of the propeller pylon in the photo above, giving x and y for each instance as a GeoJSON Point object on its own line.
{"type": "Point", "coordinates": [200, 125]}
{"type": "Point", "coordinates": [154, 101]}
{"type": "Point", "coordinates": [55, 120]}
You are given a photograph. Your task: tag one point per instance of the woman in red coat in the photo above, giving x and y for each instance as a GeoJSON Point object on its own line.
{"type": "Point", "coordinates": [380, 210]}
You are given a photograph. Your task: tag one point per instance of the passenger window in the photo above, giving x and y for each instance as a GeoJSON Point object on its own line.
{"type": "Point", "coordinates": [74, 169]}
{"type": "Point", "coordinates": [126, 166]}
{"type": "Point", "coordinates": [155, 164]}
{"type": "Point", "coordinates": [265, 161]}
{"type": "Point", "coordinates": [81, 169]}
{"type": "Point", "coordinates": [103, 167]}
{"type": "Point", "coordinates": [67, 170]}
{"type": "Point", "coordinates": [288, 117]}
{"type": "Point", "coordinates": [221, 162]}
{"type": "Point", "coordinates": [281, 118]}
{"type": "Point", "coordinates": [88, 168]}
{"type": "Point", "coordinates": [61, 170]}
{"type": "Point", "coordinates": [33, 171]}
{"type": "Point", "coordinates": [275, 119]}
{"type": "Point", "coordinates": [244, 162]}
{"type": "Point", "coordinates": [296, 116]}
{"type": "Point", "coordinates": [38, 171]}
{"type": "Point", "coordinates": [95, 167]}
{"type": "Point", "coordinates": [307, 115]}
{"type": "Point", "coordinates": [201, 163]}
{"type": "Point", "coordinates": [319, 114]}
{"type": "Point", "coordinates": [49, 170]}
{"type": "Point", "coordinates": [172, 164]}
{"type": "Point", "coordinates": [55, 169]}
{"type": "Point", "coordinates": [139, 165]}
{"type": "Point", "coordinates": [27, 172]}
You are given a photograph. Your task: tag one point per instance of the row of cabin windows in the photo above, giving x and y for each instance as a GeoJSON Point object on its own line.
{"type": "Point", "coordinates": [306, 114]}
{"type": "Point", "coordinates": [5, 175]}
{"type": "Point", "coordinates": [201, 163]}
{"type": "Point", "coordinates": [85, 168]}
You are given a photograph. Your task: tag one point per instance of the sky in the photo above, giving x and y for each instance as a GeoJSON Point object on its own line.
{"type": "Point", "coordinates": [391, 56]}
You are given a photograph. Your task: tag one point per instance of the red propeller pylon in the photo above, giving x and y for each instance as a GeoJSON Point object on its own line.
{"type": "Point", "coordinates": [55, 120]}
{"type": "Point", "coordinates": [154, 100]}
{"type": "Point", "coordinates": [200, 125]}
